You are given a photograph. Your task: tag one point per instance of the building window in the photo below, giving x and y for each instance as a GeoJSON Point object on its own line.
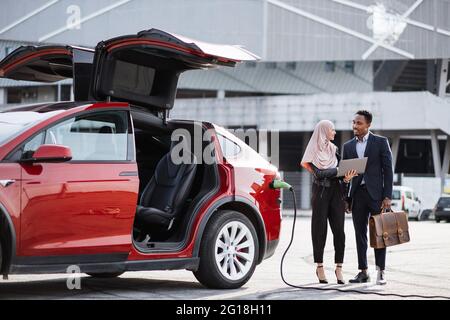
{"type": "Point", "coordinates": [13, 95]}
{"type": "Point", "coordinates": [31, 94]}
{"type": "Point", "coordinates": [195, 94]}
{"type": "Point", "coordinates": [349, 66]}
{"type": "Point", "coordinates": [291, 65]}
{"type": "Point", "coordinates": [330, 66]}
{"type": "Point", "coordinates": [65, 92]}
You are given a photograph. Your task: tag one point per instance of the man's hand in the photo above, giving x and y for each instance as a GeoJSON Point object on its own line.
{"type": "Point", "coordinates": [386, 204]}
{"type": "Point", "coordinates": [350, 175]}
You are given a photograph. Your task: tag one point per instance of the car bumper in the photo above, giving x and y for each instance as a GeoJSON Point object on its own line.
{"type": "Point", "coordinates": [442, 215]}
{"type": "Point", "coordinates": [413, 214]}
{"type": "Point", "coordinates": [270, 250]}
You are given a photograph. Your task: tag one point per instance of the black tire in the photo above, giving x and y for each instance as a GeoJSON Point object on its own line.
{"type": "Point", "coordinates": [105, 275]}
{"type": "Point", "coordinates": [208, 272]}
{"type": "Point", "coordinates": [423, 215]}
{"type": "Point", "coordinates": [438, 220]}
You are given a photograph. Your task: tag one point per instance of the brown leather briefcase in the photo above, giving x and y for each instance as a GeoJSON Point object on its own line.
{"type": "Point", "coordinates": [388, 229]}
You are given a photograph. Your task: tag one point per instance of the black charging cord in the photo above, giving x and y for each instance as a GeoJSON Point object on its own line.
{"type": "Point", "coordinates": [337, 289]}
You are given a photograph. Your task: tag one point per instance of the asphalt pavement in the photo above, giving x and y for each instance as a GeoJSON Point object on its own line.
{"type": "Point", "coordinates": [417, 268]}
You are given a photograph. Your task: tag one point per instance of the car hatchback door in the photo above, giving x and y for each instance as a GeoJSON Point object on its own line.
{"type": "Point", "coordinates": [51, 64]}
{"type": "Point", "coordinates": [86, 206]}
{"type": "Point", "coordinates": [143, 69]}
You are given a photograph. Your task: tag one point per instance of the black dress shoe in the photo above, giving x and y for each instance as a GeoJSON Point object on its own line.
{"type": "Point", "coordinates": [361, 277]}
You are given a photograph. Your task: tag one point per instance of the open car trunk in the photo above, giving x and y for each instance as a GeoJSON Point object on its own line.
{"type": "Point", "coordinates": [143, 69]}
{"type": "Point", "coordinates": [51, 64]}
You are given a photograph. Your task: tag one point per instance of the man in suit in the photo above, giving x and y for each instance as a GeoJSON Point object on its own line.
{"type": "Point", "coordinates": [370, 192]}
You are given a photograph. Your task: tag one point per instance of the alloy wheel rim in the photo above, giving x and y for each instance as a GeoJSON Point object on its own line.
{"type": "Point", "coordinates": [234, 250]}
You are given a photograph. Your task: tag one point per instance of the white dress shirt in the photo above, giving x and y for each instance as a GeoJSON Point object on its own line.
{"type": "Point", "coordinates": [361, 148]}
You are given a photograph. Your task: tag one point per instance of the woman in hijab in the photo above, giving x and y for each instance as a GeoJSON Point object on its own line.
{"type": "Point", "coordinates": [328, 194]}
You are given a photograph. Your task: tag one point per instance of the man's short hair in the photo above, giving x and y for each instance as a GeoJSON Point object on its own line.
{"type": "Point", "coordinates": [366, 114]}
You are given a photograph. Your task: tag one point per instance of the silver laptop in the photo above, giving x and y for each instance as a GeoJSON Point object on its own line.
{"type": "Point", "coordinates": [352, 164]}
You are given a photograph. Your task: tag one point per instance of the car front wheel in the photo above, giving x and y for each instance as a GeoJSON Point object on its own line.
{"type": "Point", "coordinates": [228, 252]}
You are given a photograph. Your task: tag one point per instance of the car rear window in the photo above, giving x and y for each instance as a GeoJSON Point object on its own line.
{"type": "Point", "coordinates": [396, 195]}
{"type": "Point", "coordinates": [229, 148]}
{"type": "Point", "coordinates": [444, 202]}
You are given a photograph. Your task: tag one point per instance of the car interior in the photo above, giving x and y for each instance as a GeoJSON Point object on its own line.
{"type": "Point", "coordinates": [169, 192]}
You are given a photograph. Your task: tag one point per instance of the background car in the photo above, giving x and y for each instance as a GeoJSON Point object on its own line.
{"type": "Point", "coordinates": [404, 199]}
{"type": "Point", "coordinates": [442, 209]}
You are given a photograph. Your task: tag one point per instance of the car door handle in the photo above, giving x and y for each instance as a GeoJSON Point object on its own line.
{"type": "Point", "coordinates": [128, 174]}
{"type": "Point", "coordinates": [6, 183]}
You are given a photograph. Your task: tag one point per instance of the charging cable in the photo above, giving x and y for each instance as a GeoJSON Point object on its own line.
{"type": "Point", "coordinates": [279, 184]}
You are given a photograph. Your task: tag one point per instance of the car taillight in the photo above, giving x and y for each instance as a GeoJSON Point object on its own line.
{"type": "Point", "coordinates": [403, 202]}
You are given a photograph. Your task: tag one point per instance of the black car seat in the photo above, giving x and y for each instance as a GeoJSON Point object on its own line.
{"type": "Point", "coordinates": [165, 195]}
{"type": "Point", "coordinates": [105, 147]}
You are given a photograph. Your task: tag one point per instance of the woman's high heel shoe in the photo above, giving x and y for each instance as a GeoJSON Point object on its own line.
{"type": "Point", "coordinates": [317, 274]}
{"type": "Point", "coordinates": [339, 281]}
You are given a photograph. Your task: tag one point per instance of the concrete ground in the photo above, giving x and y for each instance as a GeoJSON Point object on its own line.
{"type": "Point", "coordinates": [416, 268]}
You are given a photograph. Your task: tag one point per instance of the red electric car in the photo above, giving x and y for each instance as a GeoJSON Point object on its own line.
{"type": "Point", "coordinates": [93, 182]}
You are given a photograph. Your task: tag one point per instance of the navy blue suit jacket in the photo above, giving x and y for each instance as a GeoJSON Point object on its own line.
{"type": "Point", "coordinates": [379, 171]}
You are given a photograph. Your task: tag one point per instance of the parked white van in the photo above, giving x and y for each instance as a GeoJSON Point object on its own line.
{"type": "Point", "coordinates": [404, 199]}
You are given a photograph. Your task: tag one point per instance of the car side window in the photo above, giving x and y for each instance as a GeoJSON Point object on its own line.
{"type": "Point", "coordinates": [396, 195]}
{"type": "Point", "coordinates": [101, 136]}
{"type": "Point", "coordinates": [408, 195]}
{"type": "Point", "coordinates": [229, 148]}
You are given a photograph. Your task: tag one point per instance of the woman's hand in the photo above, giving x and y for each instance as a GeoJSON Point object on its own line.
{"type": "Point", "coordinates": [350, 175]}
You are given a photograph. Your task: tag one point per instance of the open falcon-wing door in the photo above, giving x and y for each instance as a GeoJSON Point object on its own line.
{"type": "Point", "coordinates": [143, 69]}
{"type": "Point", "coordinates": [51, 64]}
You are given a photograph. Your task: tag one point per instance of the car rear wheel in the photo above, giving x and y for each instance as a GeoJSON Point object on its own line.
{"type": "Point", "coordinates": [228, 252]}
{"type": "Point", "coordinates": [438, 220]}
{"type": "Point", "coordinates": [105, 275]}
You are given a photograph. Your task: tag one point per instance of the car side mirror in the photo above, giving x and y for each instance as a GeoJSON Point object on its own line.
{"type": "Point", "coordinates": [50, 153]}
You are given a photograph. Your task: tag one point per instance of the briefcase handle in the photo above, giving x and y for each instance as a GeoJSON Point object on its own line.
{"type": "Point", "coordinates": [386, 210]}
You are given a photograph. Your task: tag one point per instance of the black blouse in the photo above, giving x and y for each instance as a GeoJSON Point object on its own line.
{"type": "Point", "coordinates": [324, 176]}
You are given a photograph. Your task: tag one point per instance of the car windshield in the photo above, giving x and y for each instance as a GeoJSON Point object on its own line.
{"type": "Point", "coordinates": [396, 195]}
{"type": "Point", "coordinates": [13, 123]}
{"type": "Point", "coordinates": [444, 202]}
